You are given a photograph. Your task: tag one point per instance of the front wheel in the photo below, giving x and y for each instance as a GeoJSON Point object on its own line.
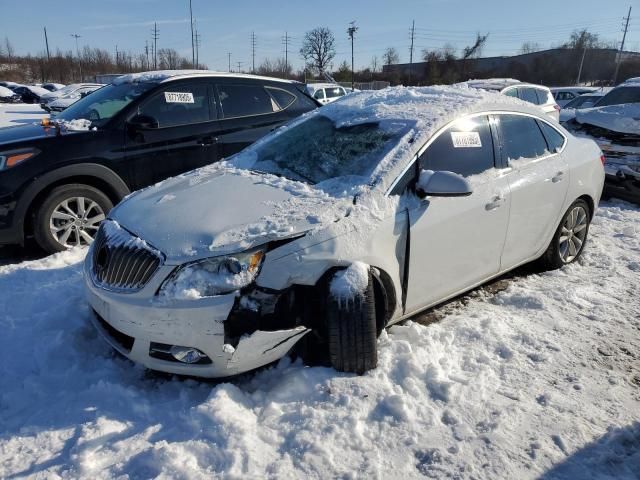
{"type": "Point", "coordinates": [568, 242]}
{"type": "Point", "coordinates": [69, 217]}
{"type": "Point", "coordinates": [352, 332]}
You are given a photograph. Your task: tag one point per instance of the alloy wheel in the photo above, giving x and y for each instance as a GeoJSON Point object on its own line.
{"type": "Point", "coordinates": [75, 221]}
{"type": "Point", "coordinates": [573, 234]}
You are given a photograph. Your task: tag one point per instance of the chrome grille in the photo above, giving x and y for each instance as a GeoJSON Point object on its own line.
{"type": "Point", "coordinates": [121, 261]}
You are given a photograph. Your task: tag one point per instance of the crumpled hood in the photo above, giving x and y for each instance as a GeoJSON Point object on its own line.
{"type": "Point", "coordinates": [224, 210]}
{"type": "Point", "coordinates": [624, 118]}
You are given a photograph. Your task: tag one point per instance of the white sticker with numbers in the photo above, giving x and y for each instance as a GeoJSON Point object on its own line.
{"type": "Point", "coordinates": [466, 139]}
{"type": "Point", "coordinates": [178, 97]}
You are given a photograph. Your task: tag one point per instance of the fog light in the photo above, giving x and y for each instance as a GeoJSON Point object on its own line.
{"type": "Point", "coordinates": [186, 354]}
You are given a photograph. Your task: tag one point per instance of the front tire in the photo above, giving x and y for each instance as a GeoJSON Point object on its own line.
{"type": "Point", "coordinates": [69, 216]}
{"type": "Point", "coordinates": [352, 332]}
{"type": "Point", "coordinates": [570, 237]}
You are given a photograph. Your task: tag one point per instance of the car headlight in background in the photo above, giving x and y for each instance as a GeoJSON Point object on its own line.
{"type": "Point", "coordinates": [213, 276]}
{"type": "Point", "coordinates": [11, 159]}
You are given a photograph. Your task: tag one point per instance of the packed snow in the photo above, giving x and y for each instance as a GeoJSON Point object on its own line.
{"type": "Point", "coordinates": [6, 92]}
{"type": "Point", "coordinates": [539, 380]}
{"type": "Point", "coordinates": [623, 118]}
{"type": "Point", "coordinates": [351, 282]}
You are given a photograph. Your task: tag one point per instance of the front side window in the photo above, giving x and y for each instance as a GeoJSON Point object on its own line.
{"type": "Point", "coordinates": [179, 105]}
{"type": "Point", "coordinates": [465, 148]}
{"type": "Point", "coordinates": [318, 149]}
{"type": "Point", "coordinates": [521, 137]}
{"type": "Point", "coordinates": [319, 95]}
{"type": "Point", "coordinates": [245, 100]}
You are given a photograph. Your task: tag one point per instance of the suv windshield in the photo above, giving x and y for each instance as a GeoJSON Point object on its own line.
{"type": "Point", "coordinates": [104, 103]}
{"type": "Point", "coordinates": [317, 149]}
{"type": "Point", "coordinates": [620, 95]}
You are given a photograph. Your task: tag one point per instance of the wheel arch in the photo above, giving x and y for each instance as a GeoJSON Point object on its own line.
{"type": "Point", "coordinates": [590, 204]}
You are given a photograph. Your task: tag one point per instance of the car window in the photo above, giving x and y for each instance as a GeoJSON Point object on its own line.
{"type": "Point", "coordinates": [283, 98]}
{"type": "Point", "coordinates": [465, 148]}
{"type": "Point", "coordinates": [555, 140]}
{"type": "Point", "coordinates": [319, 95]}
{"type": "Point", "coordinates": [619, 96]}
{"type": "Point", "coordinates": [583, 101]}
{"type": "Point", "coordinates": [521, 137]}
{"type": "Point", "coordinates": [512, 93]}
{"type": "Point", "coordinates": [528, 95]}
{"type": "Point", "coordinates": [334, 92]}
{"type": "Point", "coordinates": [543, 96]}
{"type": "Point", "coordinates": [179, 105]}
{"type": "Point", "coordinates": [245, 100]}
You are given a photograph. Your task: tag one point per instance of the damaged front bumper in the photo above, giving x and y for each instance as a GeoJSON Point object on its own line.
{"type": "Point", "coordinates": [622, 170]}
{"type": "Point", "coordinates": [225, 329]}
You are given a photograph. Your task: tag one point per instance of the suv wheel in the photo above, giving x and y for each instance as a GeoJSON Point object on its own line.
{"type": "Point", "coordinates": [70, 216]}
{"type": "Point", "coordinates": [568, 242]}
{"type": "Point", "coordinates": [352, 332]}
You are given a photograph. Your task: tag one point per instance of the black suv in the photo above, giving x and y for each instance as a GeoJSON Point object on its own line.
{"type": "Point", "coordinates": [58, 180]}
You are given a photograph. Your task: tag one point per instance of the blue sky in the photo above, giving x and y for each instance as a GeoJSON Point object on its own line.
{"type": "Point", "coordinates": [226, 26]}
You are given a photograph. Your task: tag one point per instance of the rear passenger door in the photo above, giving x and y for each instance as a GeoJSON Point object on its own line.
{"type": "Point", "coordinates": [184, 138]}
{"type": "Point", "coordinates": [538, 174]}
{"type": "Point", "coordinates": [248, 112]}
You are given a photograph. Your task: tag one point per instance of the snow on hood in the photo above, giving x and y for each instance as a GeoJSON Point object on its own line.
{"type": "Point", "coordinates": [624, 118]}
{"type": "Point", "coordinates": [5, 92]}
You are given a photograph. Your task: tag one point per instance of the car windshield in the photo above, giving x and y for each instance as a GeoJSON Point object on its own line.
{"type": "Point", "coordinates": [582, 101]}
{"type": "Point", "coordinates": [104, 103]}
{"type": "Point", "coordinates": [317, 149]}
{"type": "Point", "coordinates": [620, 95]}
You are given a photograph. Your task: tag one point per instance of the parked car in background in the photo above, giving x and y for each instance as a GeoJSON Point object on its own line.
{"type": "Point", "coordinates": [326, 92]}
{"type": "Point", "coordinates": [72, 91]}
{"type": "Point", "coordinates": [58, 180]}
{"type": "Point", "coordinates": [535, 94]}
{"type": "Point", "coordinates": [52, 87]}
{"type": "Point", "coordinates": [65, 101]}
{"type": "Point", "coordinates": [586, 100]}
{"type": "Point", "coordinates": [8, 96]}
{"type": "Point", "coordinates": [614, 123]}
{"type": "Point", "coordinates": [564, 95]}
{"type": "Point", "coordinates": [30, 93]}
{"type": "Point", "coordinates": [351, 219]}
{"type": "Point", "coordinates": [10, 85]}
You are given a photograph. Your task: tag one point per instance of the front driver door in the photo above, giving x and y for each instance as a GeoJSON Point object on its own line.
{"type": "Point", "coordinates": [456, 242]}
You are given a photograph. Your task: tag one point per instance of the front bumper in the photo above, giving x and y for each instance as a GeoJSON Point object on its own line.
{"type": "Point", "coordinates": [622, 171]}
{"type": "Point", "coordinates": [131, 323]}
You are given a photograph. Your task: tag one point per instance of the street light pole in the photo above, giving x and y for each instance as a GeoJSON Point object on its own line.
{"type": "Point", "coordinates": [351, 31]}
{"type": "Point", "coordinates": [76, 36]}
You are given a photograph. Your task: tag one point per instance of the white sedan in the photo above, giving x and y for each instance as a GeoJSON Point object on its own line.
{"type": "Point", "coordinates": [350, 219]}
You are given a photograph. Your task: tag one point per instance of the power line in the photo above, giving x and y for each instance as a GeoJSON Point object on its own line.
{"type": "Point", "coordinates": [624, 37]}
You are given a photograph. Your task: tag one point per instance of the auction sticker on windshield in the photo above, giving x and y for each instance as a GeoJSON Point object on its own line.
{"type": "Point", "coordinates": [178, 97]}
{"type": "Point", "coordinates": [466, 139]}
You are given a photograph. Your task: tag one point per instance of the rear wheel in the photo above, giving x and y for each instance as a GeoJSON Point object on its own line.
{"type": "Point", "coordinates": [70, 216]}
{"type": "Point", "coordinates": [352, 332]}
{"type": "Point", "coordinates": [568, 242]}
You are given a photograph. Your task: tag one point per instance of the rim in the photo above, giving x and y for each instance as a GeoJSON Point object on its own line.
{"type": "Point", "coordinates": [574, 231]}
{"type": "Point", "coordinates": [75, 221]}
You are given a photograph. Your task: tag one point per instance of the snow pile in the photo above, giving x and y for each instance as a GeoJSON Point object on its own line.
{"type": "Point", "coordinates": [76, 125]}
{"type": "Point", "coordinates": [538, 380]}
{"type": "Point", "coordinates": [623, 118]}
{"type": "Point", "coordinates": [5, 92]}
{"type": "Point", "coordinates": [351, 282]}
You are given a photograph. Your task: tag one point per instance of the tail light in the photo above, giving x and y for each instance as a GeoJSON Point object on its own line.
{"type": "Point", "coordinates": [557, 107]}
{"type": "Point", "coordinates": [603, 159]}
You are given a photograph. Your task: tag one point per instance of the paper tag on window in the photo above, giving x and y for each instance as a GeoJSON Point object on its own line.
{"type": "Point", "coordinates": [466, 139]}
{"type": "Point", "coordinates": [178, 97]}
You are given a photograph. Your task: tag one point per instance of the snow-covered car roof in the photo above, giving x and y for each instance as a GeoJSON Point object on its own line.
{"type": "Point", "coordinates": [574, 89]}
{"type": "Point", "coordinates": [6, 92]}
{"type": "Point", "coordinates": [491, 83]}
{"type": "Point", "coordinates": [37, 90]}
{"type": "Point", "coordinates": [623, 118]}
{"type": "Point", "coordinates": [160, 76]}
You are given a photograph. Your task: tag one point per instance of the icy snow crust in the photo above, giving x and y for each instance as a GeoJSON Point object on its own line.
{"type": "Point", "coordinates": [623, 118]}
{"type": "Point", "coordinates": [538, 380]}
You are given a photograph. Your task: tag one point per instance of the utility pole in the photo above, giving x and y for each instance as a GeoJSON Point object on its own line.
{"type": "Point", "coordinates": [239, 65]}
{"type": "Point", "coordinates": [193, 50]}
{"type": "Point", "coordinates": [624, 36]}
{"type": "Point", "coordinates": [413, 31]}
{"type": "Point", "coordinates": [146, 51]}
{"type": "Point", "coordinates": [117, 56]}
{"type": "Point", "coordinates": [351, 31]}
{"type": "Point", "coordinates": [286, 40]}
{"type": "Point", "coordinates": [253, 52]}
{"type": "Point", "coordinates": [76, 36]}
{"type": "Point", "coordinates": [229, 55]}
{"type": "Point", "coordinates": [155, 34]}
{"type": "Point", "coordinates": [584, 52]}
{"type": "Point", "coordinates": [197, 49]}
{"type": "Point", "coordinates": [46, 42]}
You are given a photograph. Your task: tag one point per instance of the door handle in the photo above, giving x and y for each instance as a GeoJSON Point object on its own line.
{"type": "Point", "coordinates": [494, 203]}
{"type": "Point", "coordinates": [558, 177]}
{"type": "Point", "coordinates": [209, 140]}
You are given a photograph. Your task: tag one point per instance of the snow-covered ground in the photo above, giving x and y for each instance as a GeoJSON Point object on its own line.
{"type": "Point", "coordinates": [539, 380]}
{"type": "Point", "coordinates": [20, 113]}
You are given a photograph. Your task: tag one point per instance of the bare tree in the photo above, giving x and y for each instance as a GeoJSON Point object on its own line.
{"type": "Point", "coordinates": [390, 56]}
{"type": "Point", "coordinates": [8, 48]}
{"type": "Point", "coordinates": [581, 39]}
{"type": "Point", "coordinates": [318, 48]}
{"type": "Point", "coordinates": [530, 47]}
{"type": "Point", "coordinates": [374, 64]}
{"type": "Point", "coordinates": [475, 50]}
{"type": "Point", "coordinates": [169, 59]}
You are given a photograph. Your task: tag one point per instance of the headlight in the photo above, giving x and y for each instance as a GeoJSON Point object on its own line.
{"type": "Point", "coordinates": [213, 276]}
{"type": "Point", "coordinates": [11, 159]}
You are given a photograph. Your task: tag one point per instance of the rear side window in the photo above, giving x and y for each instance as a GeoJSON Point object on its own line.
{"type": "Point", "coordinates": [543, 96]}
{"type": "Point", "coordinates": [179, 105]}
{"type": "Point", "coordinates": [465, 148]}
{"type": "Point", "coordinates": [245, 100]}
{"type": "Point", "coordinates": [334, 92]}
{"type": "Point", "coordinates": [521, 137]}
{"type": "Point", "coordinates": [283, 98]}
{"type": "Point", "coordinates": [512, 93]}
{"type": "Point", "coordinates": [528, 95]}
{"type": "Point", "coordinates": [555, 141]}
{"type": "Point", "coordinates": [319, 95]}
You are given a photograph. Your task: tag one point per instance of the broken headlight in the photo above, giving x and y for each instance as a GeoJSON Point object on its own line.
{"type": "Point", "coordinates": [213, 276]}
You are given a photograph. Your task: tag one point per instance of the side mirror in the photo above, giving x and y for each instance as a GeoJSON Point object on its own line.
{"type": "Point", "coordinates": [442, 184]}
{"type": "Point", "coordinates": [142, 122]}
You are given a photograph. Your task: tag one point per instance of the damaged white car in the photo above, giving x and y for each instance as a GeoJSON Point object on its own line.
{"type": "Point", "coordinates": [351, 218]}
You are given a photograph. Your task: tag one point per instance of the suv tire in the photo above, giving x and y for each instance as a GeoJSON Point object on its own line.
{"type": "Point", "coordinates": [568, 242]}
